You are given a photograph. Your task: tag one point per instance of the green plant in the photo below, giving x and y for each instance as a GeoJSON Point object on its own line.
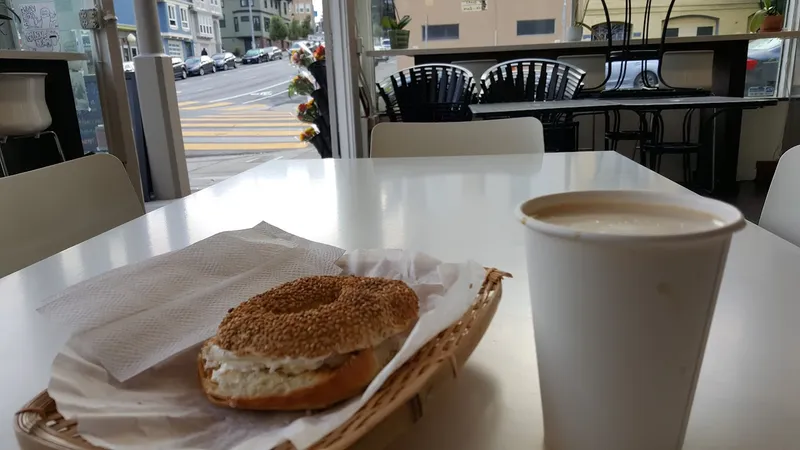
{"type": "Point", "coordinates": [278, 30]}
{"type": "Point", "coordinates": [390, 23]}
{"type": "Point", "coordinates": [295, 32]}
{"type": "Point", "coordinates": [306, 27]}
{"type": "Point", "coordinates": [767, 8]}
{"type": "Point", "coordinates": [579, 8]}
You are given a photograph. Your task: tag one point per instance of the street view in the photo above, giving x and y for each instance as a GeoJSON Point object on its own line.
{"type": "Point", "coordinates": [238, 118]}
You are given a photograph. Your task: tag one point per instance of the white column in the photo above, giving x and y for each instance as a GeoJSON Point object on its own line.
{"type": "Point", "coordinates": [159, 105]}
{"type": "Point", "coordinates": [341, 52]}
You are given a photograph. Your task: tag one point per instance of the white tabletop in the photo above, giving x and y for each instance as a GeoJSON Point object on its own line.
{"type": "Point", "coordinates": [454, 208]}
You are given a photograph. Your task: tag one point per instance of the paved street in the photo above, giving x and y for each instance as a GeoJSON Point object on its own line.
{"type": "Point", "coordinates": [236, 119]}
{"type": "Point", "coordinates": [239, 111]}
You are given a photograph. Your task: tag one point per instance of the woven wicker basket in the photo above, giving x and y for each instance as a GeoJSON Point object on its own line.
{"type": "Point", "coordinates": [392, 410]}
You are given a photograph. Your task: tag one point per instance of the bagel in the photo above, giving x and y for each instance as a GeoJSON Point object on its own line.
{"type": "Point", "coordinates": [306, 344]}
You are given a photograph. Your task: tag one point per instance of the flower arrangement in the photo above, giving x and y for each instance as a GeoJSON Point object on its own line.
{"type": "Point", "coordinates": [300, 85]}
{"type": "Point", "coordinates": [302, 58]}
{"type": "Point", "coordinates": [308, 134]}
{"type": "Point", "coordinates": [319, 53]}
{"type": "Point", "coordinates": [307, 112]}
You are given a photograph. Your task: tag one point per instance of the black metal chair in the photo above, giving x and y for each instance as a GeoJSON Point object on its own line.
{"type": "Point", "coordinates": [428, 93]}
{"type": "Point", "coordinates": [653, 150]}
{"type": "Point", "coordinates": [535, 80]}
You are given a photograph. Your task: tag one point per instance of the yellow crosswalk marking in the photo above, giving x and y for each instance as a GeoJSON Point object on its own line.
{"type": "Point", "coordinates": [186, 103]}
{"type": "Point", "coordinates": [246, 108]}
{"type": "Point", "coordinates": [210, 105]}
{"type": "Point", "coordinates": [267, 133]}
{"type": "Point", "coordinates": [242, 125]}
{"type": "Point", "coordinates": [242, 146]}
{"type": "Point", "coordinates": [236, 119]}
{"type": "Point", "coordinates": [264, 113]}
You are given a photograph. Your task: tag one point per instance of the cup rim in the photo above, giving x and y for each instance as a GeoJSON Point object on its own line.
{"type": "Point", "coordinates": [731, 217]}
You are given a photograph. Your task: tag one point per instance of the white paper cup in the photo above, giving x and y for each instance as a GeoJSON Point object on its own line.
{"type": "Point", "coordinates": [621, 322]}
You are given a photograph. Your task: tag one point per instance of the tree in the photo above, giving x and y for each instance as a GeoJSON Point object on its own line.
{"type": "Point", "coordinates": [277, 30]}
{"type": "Point", "coordinates": [295, 32]}
{"type": "Point", "coordinates": [306, 27]}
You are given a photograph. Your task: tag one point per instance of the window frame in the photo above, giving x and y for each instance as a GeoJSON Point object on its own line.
{"type": "Point", "coordinates": [184, 12]}
{"type": "Point", "coordinates": [256, 23]}
{"type": "Point", "coordinates": [426, 38]}
{"type": "Point", "coordinates": [235, 24]}
{"type": "Point", "coordinates": [172, 16]}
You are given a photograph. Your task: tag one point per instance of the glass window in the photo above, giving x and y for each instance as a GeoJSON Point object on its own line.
{"type": "Point", "coordinates": [266, 23]}
{"type": "Point", "coordinates": [236, 24]}
{"type": "Point", "coordinates": [175, 48]}
{"type": "Point", "coordinates": [172, 16]}
{"type": "Point", "coordinates": [672, 32]}
{"type": "Point", "coordinates": [285, 9]}
{"type": "Point", "coordinates": [256, 23]}
{"type": "Point", "coordinates": [184, 18]}
{"type": "Point", "coordinates": [531, 27]}
{"type": "Point", "coordinates": [439, 32]}
{"type": "Point", "coordinates": [265, 4]}
{"type": "Point", "coordinates": [222, 23]}
{"type": "Point", "coordinates": [705, 31]}
{"type": "Point", "coordinates": [245, 19]}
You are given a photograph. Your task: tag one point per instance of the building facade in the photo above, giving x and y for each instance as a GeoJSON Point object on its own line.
{"type": "Point", "coordinates": [476, 23]}
{"type": "Point", "coordinates": [237, 27]}
{"type": "Point", "coordinates": [187, 27]}
{"type": "Point", "coordinates": [302, 9]}
{"type": "Point", "coordinates": [688, 18]}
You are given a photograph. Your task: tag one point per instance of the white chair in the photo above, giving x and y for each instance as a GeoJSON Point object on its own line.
{"type": "Point", "coordinates": [593, 65]}
{"type": "Point", "coordinates": [51, 209]}
{"type": "Point", "coordinates": [484, 137]}
{"type": "Point", "coordinates": [781, 213]}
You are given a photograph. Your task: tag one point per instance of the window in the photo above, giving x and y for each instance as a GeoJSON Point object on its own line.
{"type": "Point", "coordinates": [236, 24]}
{"type": "Point", "coordinates": [244, 4]}
{"type": "Point", "coordinates": [222, 23]}
{"type": "Point", "coordinates": [672, 32]}
{"type": "Point", "coordinates": [532, 27]}
{"type": "Point", "coordinates": [256, 23]}
{"type": "Point", "coordinates": [705, 31]}
{"type": "Point", "coordinates": [285, 8]}
{"type": "Point", "coordinates": [266, 23]}
{"type": "Point", "coordinates": [245, 19]}
{"type": "Point", "coordinates": [206, 25]}
{"type": "Point", "coordinates": [184, 18]}
{"type": "Point", "coordinates": [439, 32]}
{"type": "Point", "coordinates": [619, 31]}
{"type": "Point", "coordinates": [172, 16]}
{"type": "Point", "coordinates": [265, 4]}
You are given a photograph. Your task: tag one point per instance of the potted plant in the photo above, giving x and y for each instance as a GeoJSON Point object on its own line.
{"type": "Point", "coordinates": [575, 32]}
{"type": "Point", "coordinates": [398, 36]}
{"type": "Point", "coordinates": [769, 18]}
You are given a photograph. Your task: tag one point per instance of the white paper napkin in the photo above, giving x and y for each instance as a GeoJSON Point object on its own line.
{"type": "Point", "coordinates": [164, 407]}
{"type": "Point", "coordinates": [134, 317]}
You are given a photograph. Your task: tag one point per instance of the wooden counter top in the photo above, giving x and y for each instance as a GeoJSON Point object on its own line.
{"type": "Point", "coordinates": [42, 56]}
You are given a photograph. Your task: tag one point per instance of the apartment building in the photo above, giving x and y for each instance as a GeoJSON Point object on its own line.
{"type": "Point", "coordinates": [474, 23]}
{"type": "Point", "coordinates": [303, 9]}
{"type": "Point", "coordinates": [688, 18]}
{"type": "Point", "coordinates": [237, 26]}
{"type": "Point", "coordinates": [187, 27]}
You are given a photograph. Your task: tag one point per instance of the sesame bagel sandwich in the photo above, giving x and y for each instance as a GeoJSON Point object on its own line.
{"type": "Point", "coordinates": [306, 344]}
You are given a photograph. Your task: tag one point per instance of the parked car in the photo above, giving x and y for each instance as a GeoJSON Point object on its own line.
{"type": "Point", "coordinates": [224, 61]}
{"type": "Point", "coordinates": [254, 56]}
{"type": "Point", "coordinates": [273, 53]}
{"type": "Point", "coordinates": [297, 45]}
{"type": "Point", "coordinates": [763, 60]}
{"type": "Point", "coordinates": [200, 65]}
{"type": "Point", "coordinates": [179, 68]}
